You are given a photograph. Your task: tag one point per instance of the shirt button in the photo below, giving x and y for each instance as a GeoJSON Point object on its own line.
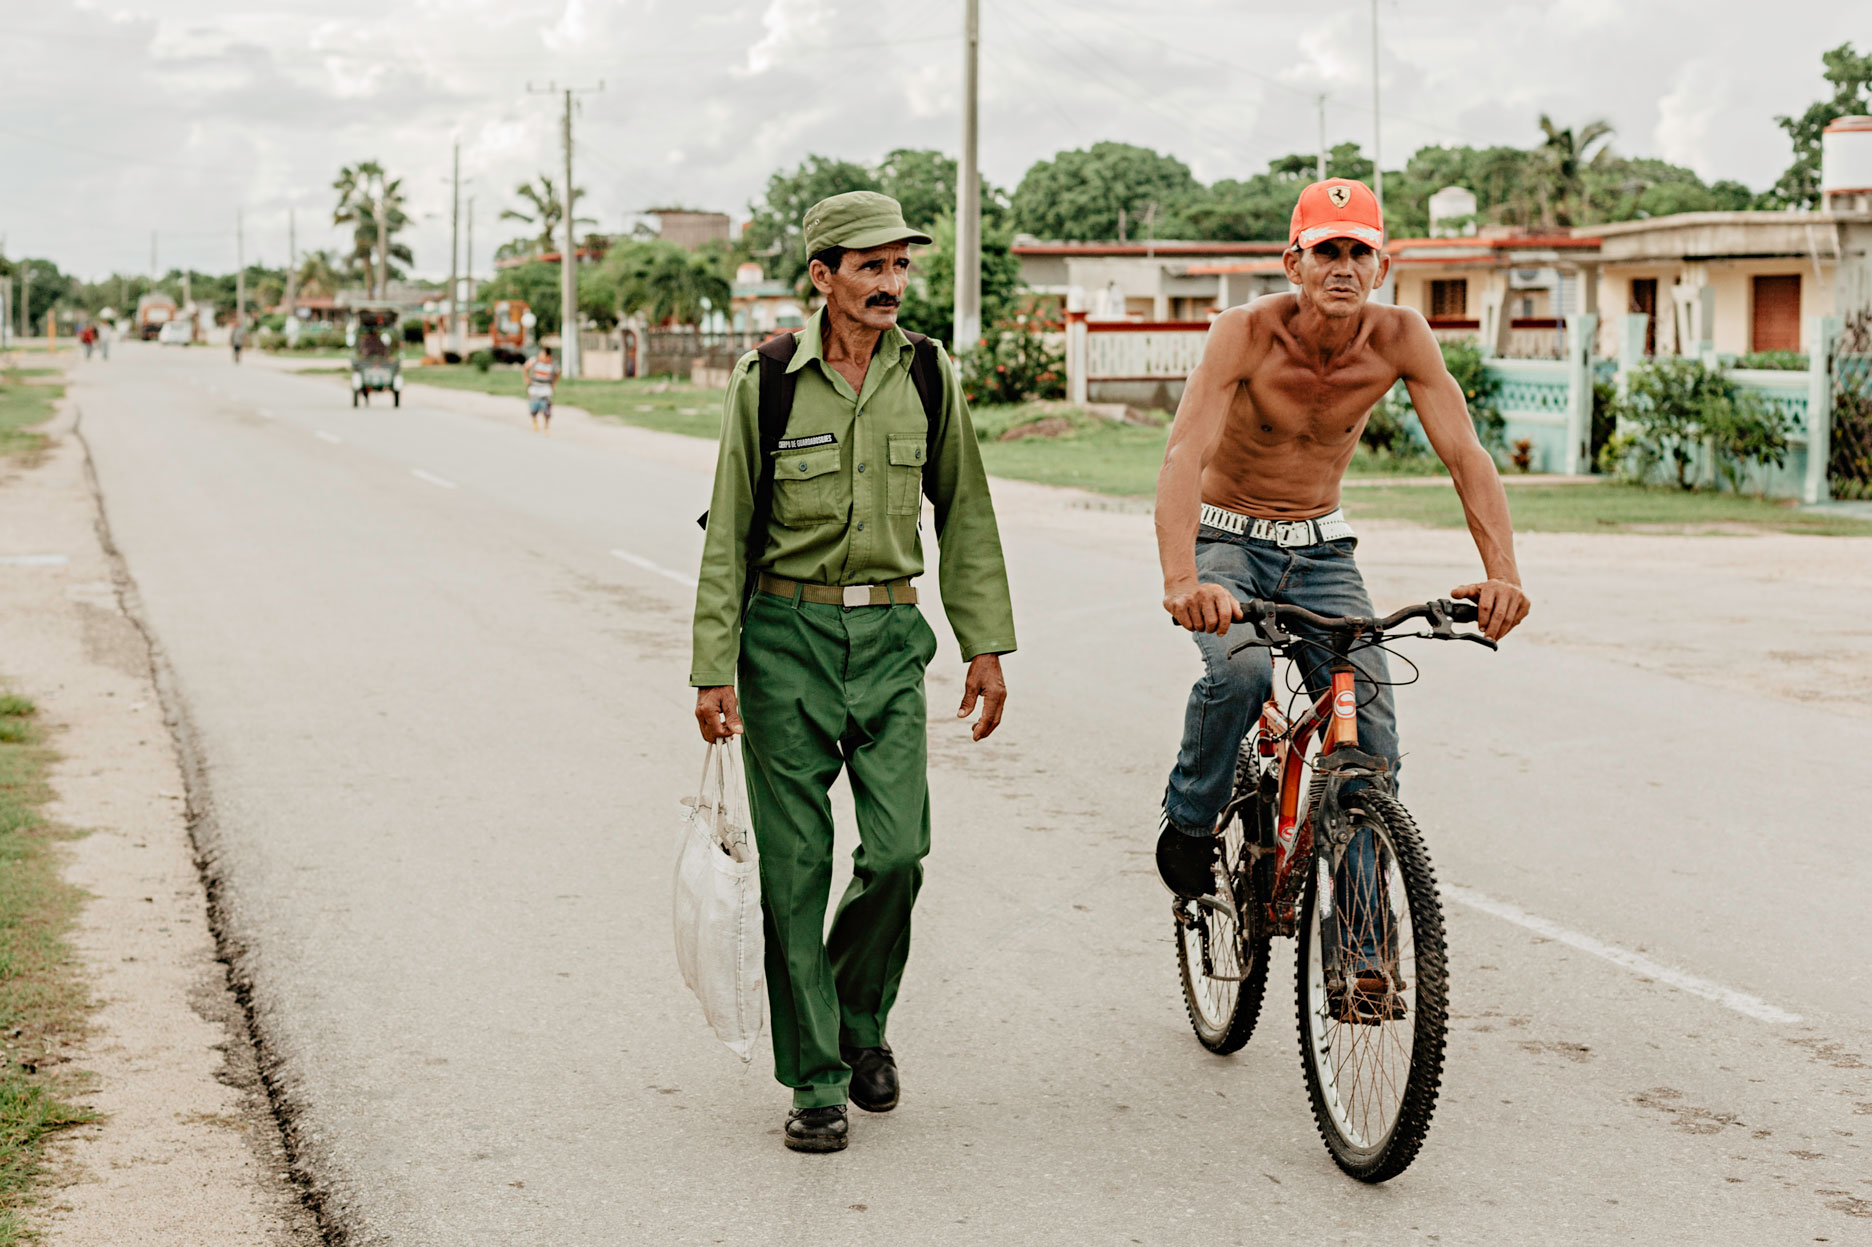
{"type": "Point", "coordinates": [860, 525]}
{"type": "Point", "coordinates": [861, 467]}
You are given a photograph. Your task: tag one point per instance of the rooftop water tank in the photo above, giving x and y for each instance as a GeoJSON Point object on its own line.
{"type": "Point", "coordinates": [1452, 213]}
{"type": "Point", "coordinates": [1846, 165]}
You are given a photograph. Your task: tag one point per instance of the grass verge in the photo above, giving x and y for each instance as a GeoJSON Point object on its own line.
{"type": "Point", "coordinates": [42, 1001]}
{"type": "Point", "coordinates": [1603, 507]}
{"type": "Point", "coordinates": [1081, 450]}
{"type": "Point", "coordinates": [24, 402]}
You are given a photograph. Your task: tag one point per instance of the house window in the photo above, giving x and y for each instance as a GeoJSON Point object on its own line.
{"type": "Point", "coordinates": [1776, 319]}
{"type": "Point", "coordinates": [1449, 300]}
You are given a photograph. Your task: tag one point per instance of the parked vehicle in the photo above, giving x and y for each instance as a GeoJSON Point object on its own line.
{"type": "Point", "coordinates": [153, 311]}
{"type": "Point", "coordinates": [173, 333]}
{"type": "Point", "coordinates": [376, 365]}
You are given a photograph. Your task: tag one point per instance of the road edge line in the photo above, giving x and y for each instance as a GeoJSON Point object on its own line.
{"type": "Point", "coordinates": [334, 1222]}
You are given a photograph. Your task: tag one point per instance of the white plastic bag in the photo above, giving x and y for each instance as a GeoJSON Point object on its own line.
{"type": "Point", "coordinates": [717, 909]}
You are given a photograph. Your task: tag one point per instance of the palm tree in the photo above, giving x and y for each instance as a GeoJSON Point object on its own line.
{"type": "Point", "coordinates": [547, 214]}
{"type": "Point", "coordinates": [318, 274]}
{"type": "Point", "coordinates": [371, 203]}
{"type": "Point", "coordinates": [666, 283]}
{"type": "Point", "coordinates": [1568, 155]}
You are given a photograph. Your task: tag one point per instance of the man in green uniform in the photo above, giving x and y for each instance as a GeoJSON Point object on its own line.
{"type": "Point", "coordinates": [805, 595]}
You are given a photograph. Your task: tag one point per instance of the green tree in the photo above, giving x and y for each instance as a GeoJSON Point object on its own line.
{"type": "Point", "coordinates": [546, 213]}
{"type": "Point", "coordinates": [1260, 208]}
{"type": "Point", "coordinates": [536, 282]}
{"type": "Point", "coordinates": [774, 234]}
{"type": "Point", "coordinates": [1082, 194]}
{"type": "Point", "coordinates": [1567, 155]}
{"type": "Point", "coordinates": [665, 283]}
{"type": "Point", "coordinates": [371, 203]}
{"type": "Point", "coordinates": [929, 303]}
{"type": "Point", "coordinates": [1850, 75]}
{"type": "Point", "coordinates": [924, 180]}
{"type": "Point", "coordinates": [319, 274]}
{"type": "Point", "coordinates": [49, 288]}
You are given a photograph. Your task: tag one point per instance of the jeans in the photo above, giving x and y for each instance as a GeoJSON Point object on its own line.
{"type": "Point", "coordinates": [1227, 699]}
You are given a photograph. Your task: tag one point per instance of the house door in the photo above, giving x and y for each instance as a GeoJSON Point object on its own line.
{"type": "Point", "coordinates": [1644, 300]}
{"type": "Point", "coordinates": [1776, 322]}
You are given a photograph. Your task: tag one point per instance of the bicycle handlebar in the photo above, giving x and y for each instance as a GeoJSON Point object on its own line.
{"type": "Point", "coordinates": [1266, 618]}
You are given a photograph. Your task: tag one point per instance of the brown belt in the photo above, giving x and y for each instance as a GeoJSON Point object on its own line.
{"type": "Point", "coordinates": [896, 593]}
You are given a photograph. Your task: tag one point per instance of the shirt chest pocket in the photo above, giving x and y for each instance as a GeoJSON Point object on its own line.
{"type": "Point", "coordinates": [907, 454]}
{"type": "Point", "coordinates": [807, 487]}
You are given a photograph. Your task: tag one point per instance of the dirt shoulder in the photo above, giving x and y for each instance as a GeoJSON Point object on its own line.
{"type": "Point", "coordinates": [185, 1150]}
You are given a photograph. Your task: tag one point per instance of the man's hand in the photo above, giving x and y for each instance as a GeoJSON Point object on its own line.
{"type": "Point", "coordinates": [1203, 607]}
{"type": "Point", "coordinates": [1500, 605]}
{"type": "Point", "coordinates": [984, 681]}
{"type": "Point", "coordinates": [717, 713]}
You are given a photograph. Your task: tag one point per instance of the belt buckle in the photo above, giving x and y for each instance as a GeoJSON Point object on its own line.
{"type": "Point", "coordinates": [857, 595]}
{"type": "Point", "coordinates": [1293, 533]}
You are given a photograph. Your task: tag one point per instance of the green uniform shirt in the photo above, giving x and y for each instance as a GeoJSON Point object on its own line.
{"type": "Point", "coordinates": [846, 510]}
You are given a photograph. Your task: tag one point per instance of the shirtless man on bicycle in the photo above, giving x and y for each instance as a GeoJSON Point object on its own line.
{"type": "Point", "coordinates": [1248, 498]}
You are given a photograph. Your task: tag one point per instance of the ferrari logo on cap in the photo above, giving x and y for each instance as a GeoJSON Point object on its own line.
{"type": "Point", "coordinates": [1340, 195]}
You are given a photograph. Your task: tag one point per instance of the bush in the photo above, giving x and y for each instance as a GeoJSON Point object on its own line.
{"type": "Point", "coordinates": [1776, 361]}
{"type": "Point", "coordinates": [1388, 429]}
{"type": "Point", "coordinates": [482, 359]}
{"type": "Point", "coordinates": [1679, 411]}
{"type": "Point", "coordinates": [1016, 362]}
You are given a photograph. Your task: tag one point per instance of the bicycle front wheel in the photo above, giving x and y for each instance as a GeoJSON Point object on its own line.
{"type": "Point", "coordinates": [1372, 1047]}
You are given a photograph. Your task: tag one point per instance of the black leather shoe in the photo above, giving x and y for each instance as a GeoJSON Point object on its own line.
{"type": "Point", "coordinates": [1186, 863]}
{"type": "Point", "coordinates": [817, 1129]}
{"type": "Point", "coordinates": [874, 1078]}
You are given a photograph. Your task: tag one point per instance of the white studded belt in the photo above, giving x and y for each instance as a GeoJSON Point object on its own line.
{"type": "Point", "coordinates": [1331, 526]}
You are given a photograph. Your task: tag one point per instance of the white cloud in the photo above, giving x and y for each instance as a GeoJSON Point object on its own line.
{"type": "Point", "coordinates": [166, 114]}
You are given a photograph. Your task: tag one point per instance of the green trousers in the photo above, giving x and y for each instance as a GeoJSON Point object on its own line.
{"type": "Point", "coordinates": [824, 687]}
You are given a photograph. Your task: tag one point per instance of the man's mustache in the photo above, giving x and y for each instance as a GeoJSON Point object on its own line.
{"type": "Point", "coordinates": [883, 300]}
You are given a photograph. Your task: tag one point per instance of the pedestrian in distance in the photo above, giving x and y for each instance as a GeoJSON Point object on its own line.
{"type": "Point", "coordinates": [104, 332]}
{"type": "Point", "coordinates": [87, 337]}
{"type": "Point", "coordinates": [807, 632]}
{"type": "Point", "coordinates": [541, 374]}
{"type": "Point", "coordinates": [235, 340]}
{"type": "Point", "coordinates": [1248, 498]}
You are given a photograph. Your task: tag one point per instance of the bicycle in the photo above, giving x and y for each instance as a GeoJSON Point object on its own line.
{"type": "Point", "coordinates": [1342, 868]}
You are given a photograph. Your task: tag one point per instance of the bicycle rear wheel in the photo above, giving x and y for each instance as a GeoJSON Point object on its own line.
{"type": "Point", "coordinates": [1373, 1050]}
{"type": "Point", "coordinates": [1222, 954]}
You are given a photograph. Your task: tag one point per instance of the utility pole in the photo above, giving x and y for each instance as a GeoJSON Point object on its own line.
{"type": "Point", "coordinates": [25, 302]}
{"type": "Point", "coordinates": [240, 268]}
{"type": "Point", "coordinates": [468, 254]}
{"type": "Point", "coordinates": [383, 237]}
{"type": "Point", "coordinates": [568, 259]}
{"type": "Point", "coordinates": [1377, 161]}
{"type": "Point", "coordinates": [152, 261]}
{"type": "Point", "coordinates": [453, 336]}
{"type": "Point", "coordinates": [292, 266]}
{"type": "Point", "coordinates": [1321, 101]}
{"type": "Point", "coordinates": [968, 191]}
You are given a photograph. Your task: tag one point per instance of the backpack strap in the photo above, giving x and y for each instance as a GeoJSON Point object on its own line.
{"type": "Point", "coordinates": [776, 405]}
{"type": "Point", "coordinates": [926, 373]}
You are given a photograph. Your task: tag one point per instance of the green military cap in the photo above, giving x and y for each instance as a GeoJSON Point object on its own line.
{"type": "Point", "coordinates": [857, 220]}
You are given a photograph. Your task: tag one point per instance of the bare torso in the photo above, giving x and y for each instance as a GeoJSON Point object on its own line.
{"type": "Point", "coordinates": [1294, 423]}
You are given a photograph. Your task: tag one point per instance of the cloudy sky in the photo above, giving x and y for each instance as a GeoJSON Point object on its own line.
{"type": "Point", "coordinates": [127, 116]}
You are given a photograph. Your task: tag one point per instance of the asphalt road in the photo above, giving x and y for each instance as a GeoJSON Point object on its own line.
{"type": "Point", "coordinates": [445, 729]}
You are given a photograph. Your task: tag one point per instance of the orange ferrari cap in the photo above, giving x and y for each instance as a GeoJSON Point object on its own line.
{"type": "Point", "coordinates": [1336, 208]}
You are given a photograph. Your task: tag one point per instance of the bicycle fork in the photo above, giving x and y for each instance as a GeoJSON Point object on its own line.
{"type": "Point", "coordinates": [1341, 762]}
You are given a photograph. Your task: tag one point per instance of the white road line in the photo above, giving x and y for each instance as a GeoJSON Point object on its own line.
{"type": "Point", "coordinates": [32, 560]}
{"type": "Point", "coordinates": [333, 438]}
{"type": "Point", "coordinates": [1743, 1003]}
{"type": "Point", "coordinates": [432, 478]}
{"type": "Point", "coordinates": [636, 560]}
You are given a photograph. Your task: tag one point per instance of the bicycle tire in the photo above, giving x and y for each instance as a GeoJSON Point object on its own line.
{"type": "Point", "coordinates": [1423, 997]}
{"type": "Point", "coordinates": [1226, 1029]}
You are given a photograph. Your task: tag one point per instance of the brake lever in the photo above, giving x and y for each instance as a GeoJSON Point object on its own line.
{"type": "Point", "coordinates": [1477, 637]}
